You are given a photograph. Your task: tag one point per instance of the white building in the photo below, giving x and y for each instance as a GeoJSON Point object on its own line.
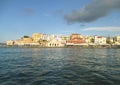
{"type": "Point", "coordinates": [10, 42]}
{"type": "Point", "coordinates": [99, 40]}
{"type": "Point", "coordinates": [55, 43]}
{"type": "Point", "coordinates": [48, 37]}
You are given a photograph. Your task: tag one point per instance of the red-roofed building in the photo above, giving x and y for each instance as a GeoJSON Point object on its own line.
{"type": "Point", "coordinates": [76, 39]}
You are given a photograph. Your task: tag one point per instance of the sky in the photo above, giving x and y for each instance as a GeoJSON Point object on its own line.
{"type": "Point", "coordinates": [87, 17]}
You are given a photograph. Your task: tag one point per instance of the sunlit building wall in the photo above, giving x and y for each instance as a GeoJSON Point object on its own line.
{"type": "Point", "coordinates": [55, 43]}
{"type": "Point", "coordinates": [99, 40]}
{"type": "Point", "coordinates": [36, 37]}
{"type": "Point", "coordinates": [10, 42]}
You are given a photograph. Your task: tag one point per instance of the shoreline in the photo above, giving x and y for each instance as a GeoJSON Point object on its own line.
{"type": "Point", "coordinates": [72, 46]}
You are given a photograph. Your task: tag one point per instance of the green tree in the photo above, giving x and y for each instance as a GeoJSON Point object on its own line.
{"type": "Point", "coordinates": [108, 41]}
{"type": "Point", "coordinates": [42, 42]}
{"type": "Point", "coordinates": [25, 36]}
{"type": "Point", "coordinates": [92, 40]}
{"type": "Point", "coordinates": [115, 39]}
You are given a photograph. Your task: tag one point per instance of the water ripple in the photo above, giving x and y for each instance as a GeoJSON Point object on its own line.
{"type": "Point", "coordinates": [59, 66]}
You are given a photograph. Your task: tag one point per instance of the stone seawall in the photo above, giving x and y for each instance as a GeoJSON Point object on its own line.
{"type": "Point", "coordinates": [70, 46]}
{"type": "Point", "coordinates": [95, 46]}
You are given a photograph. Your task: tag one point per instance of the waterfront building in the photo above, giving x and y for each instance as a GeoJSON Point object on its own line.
{"type": "Point", "coordinates": [51, 40]}
{"type": "Point", "coordinates": [18, 42]}
{"type": "Point", "coordinates": [58, 38]}
{"type": "Point", "coordinates": [46, 37]}
{"type": "Point", "coordinates": [65, 37]}
{"type": "Point", "coordinates": [36, 37]}
{"type": "Point", "coordinates": [55, 43]}
{"type": "Point", "coordinates": [117, 42]}
{"type": "Point", "coordinates": [118, 39]}
{"type": "Point", "coordinates": [76, 36]}
{"type": "Point", "coordinates": [50, 37]}
{"type": "Point", "coordinates": [76, 39]}
{"type": "Point", "coordinates": [111, 40]}
{"type": "Point", "coordinates": [25, 41]}
{"type": "Point", "coordinates": [90, 40]}
{"type": "Point", "coordinates": [10, 42]}
{"type": "Point", "coordinates": [99, 40]}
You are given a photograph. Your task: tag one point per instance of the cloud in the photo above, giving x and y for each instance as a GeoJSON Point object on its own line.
{"type": "Point", "coordinates": [93, 11]}
{"type": "Point", "coordinates": [102, 29]}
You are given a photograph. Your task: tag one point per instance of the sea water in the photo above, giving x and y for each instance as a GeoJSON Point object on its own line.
{"type": "Point", "coordinates": [59, 66]}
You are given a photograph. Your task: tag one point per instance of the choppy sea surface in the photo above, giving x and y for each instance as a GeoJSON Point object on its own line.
{"type": "Point", "coordinates": [59, 66]}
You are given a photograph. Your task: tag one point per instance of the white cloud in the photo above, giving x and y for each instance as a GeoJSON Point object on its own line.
{"type": "Point", "coordinates": [102, 29]}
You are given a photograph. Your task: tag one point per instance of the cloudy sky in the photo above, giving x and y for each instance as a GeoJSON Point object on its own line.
{"type": "Point", "coordinates": [87, 17]}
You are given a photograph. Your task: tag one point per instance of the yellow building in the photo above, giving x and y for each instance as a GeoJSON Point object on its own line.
{"type": "Point", "coordinates": [27, 40]}
{"type": "Point", "coordinates": [19, 42]}
{"type": "Point", "coordinates": [76, 36]}
{"type": "Point", "coordinates": [36, 37]}
{"type": "Point", "coordinates": [117, 40]}
{"type": "Point", "coordinates": [24, 41]}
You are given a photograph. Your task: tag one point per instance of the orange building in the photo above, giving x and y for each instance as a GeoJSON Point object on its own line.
{"type": "Point", "coordinates": [76, 36]}
{"type": "Point", "coordinates": [76, 39]}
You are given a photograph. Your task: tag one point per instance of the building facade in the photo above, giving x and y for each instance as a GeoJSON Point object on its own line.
{"type": "Point", "coordinates": [10, 42]}
{"type": "Point", "coordinates": [76, 39]}
{"type": "Point", "coordinates": [99, 40]}
{"type": "Point", "coordinates": [36, 37]}
{"type": "Point", "coordinates": [55, 43]}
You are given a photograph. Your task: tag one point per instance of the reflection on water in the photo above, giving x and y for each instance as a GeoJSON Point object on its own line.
{"type": "Point", "coordinates": [59, 66]}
